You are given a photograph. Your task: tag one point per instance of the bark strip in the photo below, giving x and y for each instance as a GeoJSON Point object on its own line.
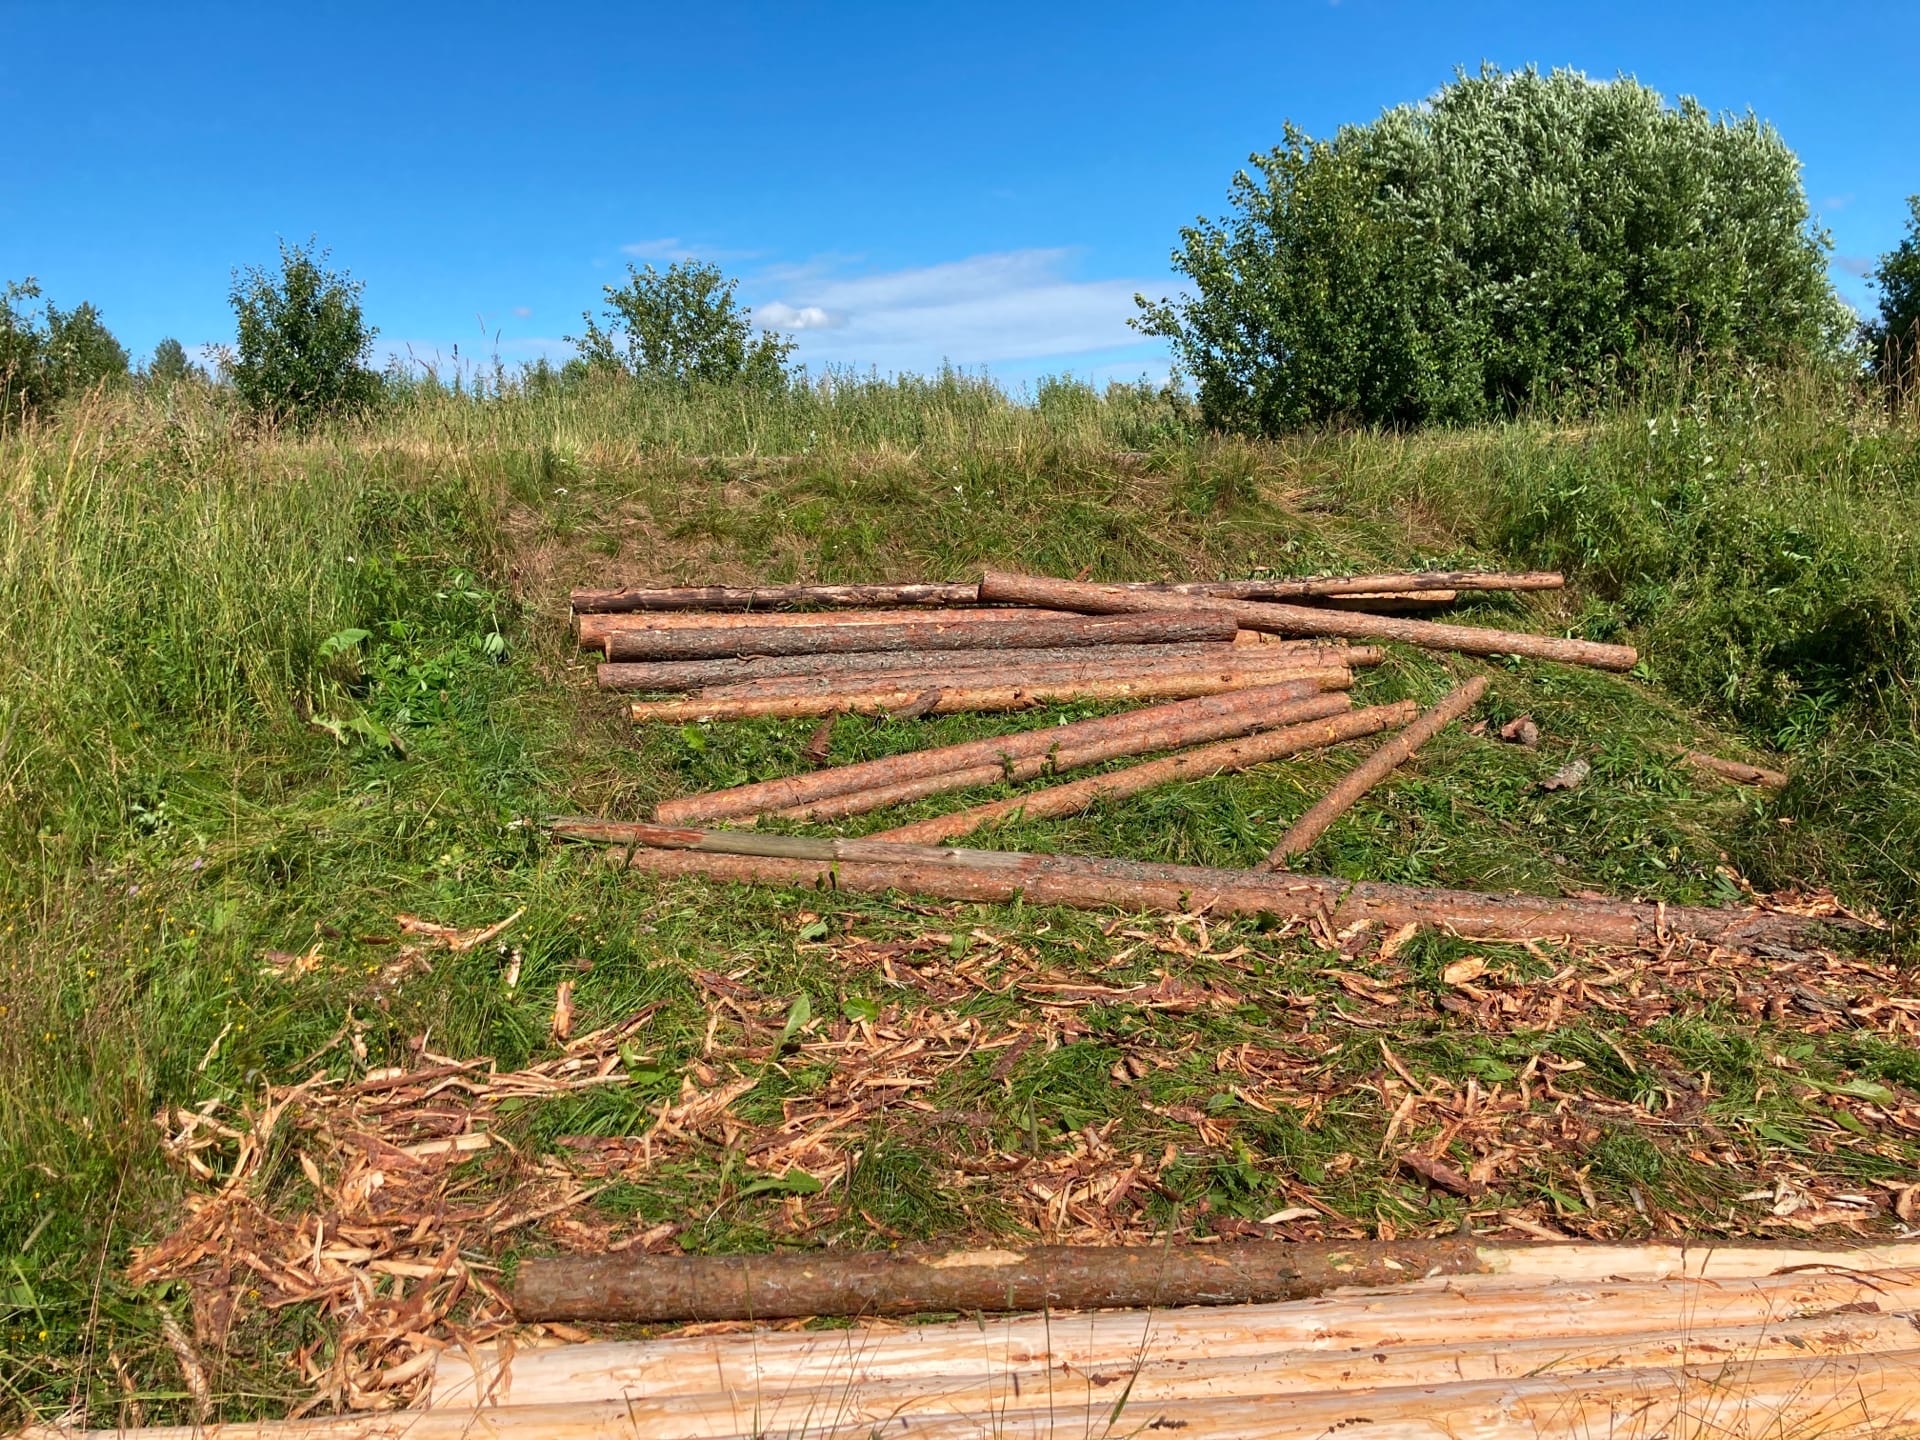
{"type": "Point", "coordinates": [1078, 882]}
{"type": "Point", "coordinates": [1372, 770]}
{"type": "Point", "coordinates": [653, 1289]}
{"type": "Point", "coordinates": [956, 699]}
{"type": "Point", "coordinates": [1221, 758]}
{"type": "Point", "coordinates": [1305, 620]}
{"type": "Point", "coordinates": [1160, 737]}
{"type": "Point", "coordinates": [1016, 631]}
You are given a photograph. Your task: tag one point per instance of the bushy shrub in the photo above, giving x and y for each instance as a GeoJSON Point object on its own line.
{"type": "Point", "coordinates": [682, 325]}
{"type": "Point", "coordinates": [302, 345]}
{"type": "Point", "coordinates": [1518, 239]}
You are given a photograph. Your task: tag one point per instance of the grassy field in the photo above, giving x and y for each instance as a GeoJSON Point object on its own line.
{"type": "Point", "coordinates": [264, 695]}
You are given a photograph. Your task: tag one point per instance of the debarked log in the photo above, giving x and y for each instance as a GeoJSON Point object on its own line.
{"type": "Point", "coordinates": [1015, 632]}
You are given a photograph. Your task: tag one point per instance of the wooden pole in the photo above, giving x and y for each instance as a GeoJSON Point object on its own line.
{"type": "Point", "coordinates": [764, 796]}
{"type": "Point", "coordinates": [1217, 759]}
{"type": "Point", "coordinates": [654, 1289]}
{"type": "Point", "coordinates": [1304, 620]}
{"type": "Point", "coordinates": [1016, 632]}
{"type": "Point", "coordinates": [1165, 737]}
{"type": "Point", "coordinates": [955, 699]}
{"type": "Point", "coordinates": [993, 876]}
{"type": "Point", "coordinates": [592, 630]}
{"type": "Point", "coordinates": [1372, 770]}
{"type": "Point", "coordinates": [778, 597]}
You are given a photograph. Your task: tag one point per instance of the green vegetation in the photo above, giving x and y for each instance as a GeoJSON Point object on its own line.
{"type": "Point", "coordinates": [302, 342]}
{"type": "Point", "coordinates": [1520, 241]}
{"type": "Point", "coordinates": [1893, 339]}
{"type": "Point", "coordinates": [51, 356]}
{"type": "Point", "coordinates": [682, 326]}
{"type": "Point", "coordinates": [269, 692]}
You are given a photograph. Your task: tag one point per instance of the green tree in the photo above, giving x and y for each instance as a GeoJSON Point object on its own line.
{"type": "Point", "coordinates": [303, 343]}
{"type": "Point", "coordinates": [1893, 339]}
{"type": "Point", "coordinates": [1518, 239]}
{"type": "Point", "coordinates": [170, 365]}
{"type": "Point", "coordinates": [48, 354]}
{"type": "Point", "coordinates": [80, 351]}
{"type": "Point", "coordinates": [683, 325]}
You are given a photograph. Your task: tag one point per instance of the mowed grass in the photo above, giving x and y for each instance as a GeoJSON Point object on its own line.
{"type": "Point", "coordinates": [263, 695]}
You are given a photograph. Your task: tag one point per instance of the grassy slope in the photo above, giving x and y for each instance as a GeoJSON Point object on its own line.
{"type": "Point", "coordinates": [172, 814]}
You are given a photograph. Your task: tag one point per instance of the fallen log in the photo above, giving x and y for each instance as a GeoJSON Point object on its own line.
{"type": "Point", "coordinates": [763, 796]}
{"type": "Point", "coordinates": [779, 597]}
{"type": "Point", "coordinates": [1021, 632]}
{"type": "Point", "coordinates": [592, 630]}
{"type": "Point", "coordinates": [874, 867]}
{"type": "Point", "coordinates": [1737, 771]}
{"type": "Point", "coordinates": [683, 675]}
{"type": "Point", "coordinates": [1304, 620]}
{"type": "Point", "coordinates": [1389, 603]}
{"type": "Point", "coordinates": [1372, 770]}
{"type": "Point", "coordinates": [1163, 737]}
{"type": "Point", "coordinates": [1216, 759]}
{"type": "Point", "coordinates": [956, 699]}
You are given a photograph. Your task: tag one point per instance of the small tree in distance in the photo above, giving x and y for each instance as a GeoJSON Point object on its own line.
{"type": "Point", "coordinates": [49, 356]}
{"type": "Point", "coordinates": [170, 365]}
{"type": "Point", "coordinates": [1894, 339]}
{"type": "Point", "coordinates": [302, 343]}
{"type": "Point", "coordinates": [683, 325]}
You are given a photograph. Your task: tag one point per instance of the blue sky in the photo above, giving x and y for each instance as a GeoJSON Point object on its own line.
{"type": "Point", "coordinates": [987, 184]}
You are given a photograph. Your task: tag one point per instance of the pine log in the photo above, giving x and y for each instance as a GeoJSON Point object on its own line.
{"type": "Point", "coordinates": [956, 699]}
{"type": "Point", "coordinates": [1304, 620]}
{"type": "Point", "coordinates": [992, 876]}
{"type": "Point", "coordinates": [1165, 737]}
{"type": "Point", "coordinates": [1737, 771]}
{"type": "Point", "coordinates": [652, 1289]}
{"type": "Point", "coordinates": [1217, 759]}
{"type": "Point", "coordinates": [778, 597]}
{"type": "Point", "coordinates": [1390, 603]}
{"type": "Point", "coordinates": [1372, 770]}
{"type": "Point", "coordinates": [592, 630]}
{"type": "Point", "coordinates": [1016, 631]}
{"type": "Point", "coordinates": [769, 795]}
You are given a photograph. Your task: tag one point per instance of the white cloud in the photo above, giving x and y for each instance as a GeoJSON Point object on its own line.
{"type": "Point", "coordinates": [668, 248]}
{"type": "Point", "coordinates": [1015, 305]}
{"type": "Point", "coordinates": [1860, 265]}
{"type": "Point", "coordinates": [521, 312]}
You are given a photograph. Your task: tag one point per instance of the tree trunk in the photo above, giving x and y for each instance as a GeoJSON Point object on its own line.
{"type": "Point", "coordinates": [592, 630]}
{"type": "Point", "coordinates": [1015, 632]}
{"type": "Point", "coordinates": [1217, 759]}
{"type": "Point", "coordinates": [1372, 770]}
{"type": "Point", "coordinates": [1305, 620]}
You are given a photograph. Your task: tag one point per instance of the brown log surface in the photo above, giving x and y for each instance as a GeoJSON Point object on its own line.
{"type": "Point", "coordinates": [781, 1286]}
{"type": "Point", "coordinates": [957, 699]}
{"type": "Point", "coordinates": [592, 630]}
{"type": "Point", "coordinates": [1220, 758]}
{"type": "Point", "coordinates": [1305, 620]}
{"type": "Point", "coordinates": [1014, 632]}
{"type": "Point", "coordinates": [1375, 768]}
{"type": "Point", "coordinates": [762, 796]}
{"type": "Point", "coordinates": [1738, 771]}
{"type": "Point", "coordinates": [1162, 737]}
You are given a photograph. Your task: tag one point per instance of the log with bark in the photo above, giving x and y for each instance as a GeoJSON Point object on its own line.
{"type": "Point", "coordinates": [765, 796]}
{"type": "Point", "coordinates": [962, 698]}
{"type": "Point", "coordinates": [1119, 746]}
{"type": "Point", "coordinates": [1304, 620]}
{"type": "Point", "coordinates": [995, 876]}
{"type": "Point", "coordinates": [592, 630]}
{"type": "Point", "coordinates": [1015, 632]}
{"type": "Point", "coordinates": [1372, 770]}
{"type": "Point", "coordinates": [780, 597]}
{"type": "Point", "coordinates": [1737, 771]}
{"type": "Point", "coordinates": [1222, 757]}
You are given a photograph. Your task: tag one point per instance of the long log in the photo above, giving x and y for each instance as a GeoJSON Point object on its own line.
{"type": "Point", "coordinates": [1392, 603]}
{"type": "Point", "coordinates": [1169, 736]}
{"type": "Point", "coordinates": [763, 796]}
{"type": "Point", "coordinates": [984, 699]}
{"type": "Point", "coordinates": [1019, 632]}
{"type": "Point", "coordinates": [1372, 770]}
{"type": "Point", "coordinates": [653, 1289]}
{"type": "Point", "coordinates": [874, 867]}
{"type": "Point", "coordinates": [1216, 759]}
{"type": "Point", "coordinates": [592, 630]}
{"type": "Point", "coordinates": [778, 597]}
{"type": "Point", "coordinates": [1304, 620]}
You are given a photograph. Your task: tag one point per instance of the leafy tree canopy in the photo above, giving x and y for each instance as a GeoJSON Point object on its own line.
{"type": "Point", "coordinates": [1893, 339]}
{"type": "Point", "coordinates": [1518, 239]}
{"type": "Point", "coordinates": [303, 343]}
{"type": "Point", "coordinates": [48, 354]}
{"type": "Point", "coordinates": [682, 324]}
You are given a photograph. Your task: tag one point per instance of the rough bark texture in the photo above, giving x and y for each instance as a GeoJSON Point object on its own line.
{"type": "Point", "coordinates": [1372, 770]}
{"type": "Point", "coordinates": [874, 867]}
{"type": "Point", "coordinates": [1021, 632]}
{"type": "Point", "coordinates": [954, 699]}
{"type": "Point", "coordinates": [1217, 759]}
{"type": "Point", "coordinates": [764, 796]}
{"type": "Point", "coordinates": [592, 630]}
{"type": "Point", "coordinates": [662, 1288]}
{"type": "Point", "coordinates": [1163, 737]}
{"type": "Point", "coordinates": [1738, 771]}
{"type": "Point", "coordinates": [1305, 620]}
